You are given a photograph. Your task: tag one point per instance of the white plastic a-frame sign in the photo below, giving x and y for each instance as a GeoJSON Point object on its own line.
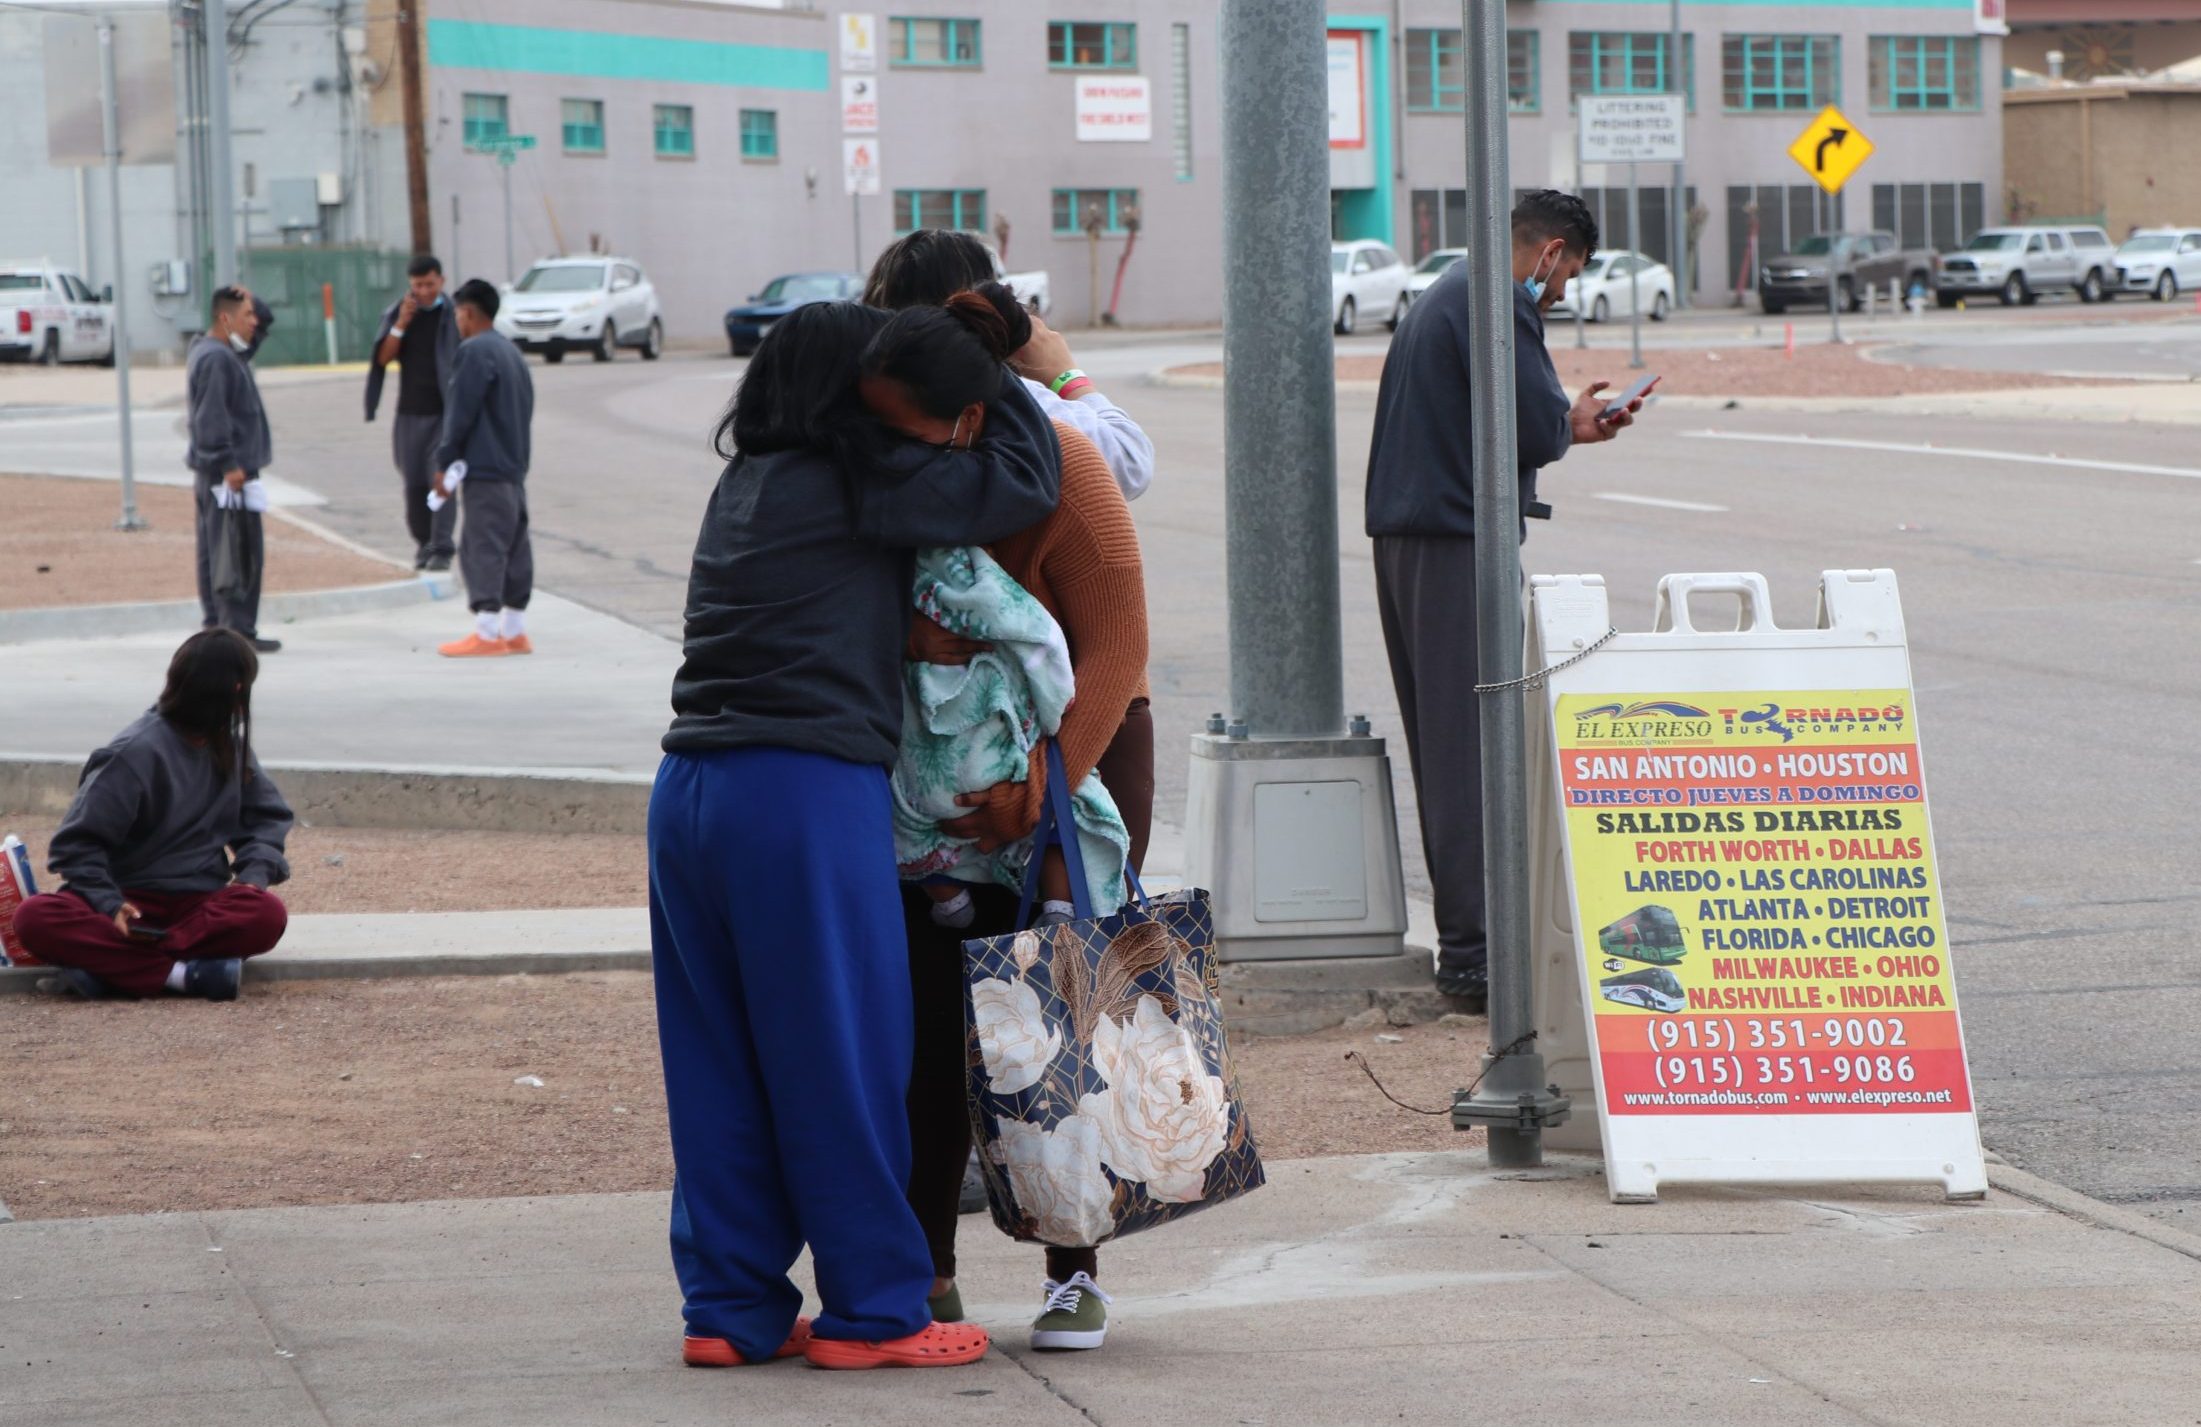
{"type": "Point", "coordinates": [1742, 957]}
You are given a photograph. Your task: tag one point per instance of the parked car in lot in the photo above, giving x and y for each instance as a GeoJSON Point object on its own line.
{"type": "Point", "coordinates": [596, 304]}
{"type": "Point", "coordinates": [1850, 262]}
{"type": "Point", "coordinates": [1034, 289]}
{"type": "Point", "coordinates": [1366, 276]}
{"type": "Point", "coordinates": [2161, 262]}
{"type": "Point", "coordinates": [747, 324]}
{"type": "Point", "coordinates": [2019, 264]}
{"type": "Point", "coordinates": [1605, 287]}
{"type": "Point", "coordinates": [50, 315]}
{"type": "Point", "coordinates": [1429, 269]}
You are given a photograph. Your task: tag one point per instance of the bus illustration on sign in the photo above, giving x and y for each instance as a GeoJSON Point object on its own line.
{"type": "Point", "coordinates": [1653, 989]}
{"type": "Point", "coordinates": [1649, 934]}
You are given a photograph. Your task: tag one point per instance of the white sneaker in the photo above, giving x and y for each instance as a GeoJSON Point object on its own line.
{"type": "Point", "coordinates": [1075, 1316]}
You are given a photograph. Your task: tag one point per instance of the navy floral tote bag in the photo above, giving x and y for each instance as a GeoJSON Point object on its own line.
{"type": "Point", "coordinates": [1102, 1093]}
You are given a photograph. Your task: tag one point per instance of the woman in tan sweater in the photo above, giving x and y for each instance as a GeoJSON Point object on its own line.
{"type": "Point", "coordinates": [1082, 563]}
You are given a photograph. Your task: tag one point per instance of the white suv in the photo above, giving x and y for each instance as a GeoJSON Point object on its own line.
{"type": "Point", "coordinates": [2161, 262]}
{"type": "Point", "coordinates": [600, 304]}
{"type": "Point", "coordinates": [2017, 265]}
{"type": "Point", "coordinates": [1366, 277]}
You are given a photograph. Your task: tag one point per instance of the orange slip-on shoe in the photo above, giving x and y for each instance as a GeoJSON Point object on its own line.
{"type": "Point", "coordinates": [473, 646]}
{"type": "Point", "coordinates": [718, 1353]}
{"type": "Point", "coordinates": [940, 1345]}
{"type": "Point", "coordinates": [519, 644]}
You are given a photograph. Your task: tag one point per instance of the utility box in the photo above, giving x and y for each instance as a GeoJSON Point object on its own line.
{"type": "Point", "coordinates": [294, 204]}
{"type": "Point", "coordinates": [1295, 841]}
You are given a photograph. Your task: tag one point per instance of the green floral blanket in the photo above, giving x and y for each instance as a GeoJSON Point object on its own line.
{"type": "Point", "coordinates": [968, 727]}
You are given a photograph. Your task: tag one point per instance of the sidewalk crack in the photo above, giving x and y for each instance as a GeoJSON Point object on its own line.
{"type": "Point", "coordinates": [1053, 1391]}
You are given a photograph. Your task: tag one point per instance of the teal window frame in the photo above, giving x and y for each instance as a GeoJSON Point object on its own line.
{"type": "Point", "coordinates": [1588, 51]}
{"type": "Point", "coordinates": [1071, 213]}
{"type": "Point", "coordinates": [760, 135]}
{"type": "Point", "coordinates": [1119, 44]}
{"type": "Point", "coordinates": [479, 125]}
{"type": "Point", "coordinates": [1428, 50]}
{"type": "Point", "coordinates": [966, 208]}
{"type": "Point", "coordinates": [1755, 73]}
{"type": "Point", "coordinates": [902, 53]}
{"type": "Point", "coordinates": [582, 135]}
{"type": "Point", "coordinates": [1957, 57]}
{"type": "Point", "coordinates": [673, 140]}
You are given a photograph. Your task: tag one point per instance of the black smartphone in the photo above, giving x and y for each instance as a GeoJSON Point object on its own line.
{"type": "Point", "coordinates": [1642, 387]}
{"type": "Point", "coordinates": [147, 931]}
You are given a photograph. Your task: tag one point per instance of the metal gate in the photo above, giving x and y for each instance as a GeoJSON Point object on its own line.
{"type": "Point", "coordinates": [289, 280]}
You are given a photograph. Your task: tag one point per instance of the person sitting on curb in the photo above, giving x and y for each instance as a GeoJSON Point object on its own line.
{"type": "Point", "coordinates": [167, 853]}
{"type": "Point", "coordinates": [487, 410]}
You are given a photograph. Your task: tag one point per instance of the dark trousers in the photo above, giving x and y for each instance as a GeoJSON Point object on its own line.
{"type": "Point", "coordinates": [939, 1100]}
{"type": "Point", "coordinates": [496, 557]}
{"type": "Point", "coordinates": [1425, 592]}
{"type": "Point", "coordinates": [413, 447]}
{"type": "Point", "coordinates": [783, 1013]}
{"type": "Point", "coordinates": [62, 929]}
{"type": "Point", "coordinates": [238, 611]}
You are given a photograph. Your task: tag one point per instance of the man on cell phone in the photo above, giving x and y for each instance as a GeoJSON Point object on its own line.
{"type": "Point", "coordinates": [420, 334]}
{"type": "Point", "coordinates": [1421, 514]}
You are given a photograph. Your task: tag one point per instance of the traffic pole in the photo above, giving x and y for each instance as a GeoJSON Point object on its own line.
{"type": "Point", "coordinates": [856, 226]}
{"type": "Point", "coordinates": [1510, 1099]}
{"type": "Point", "coordinates": [111, 135]}
{"type": "Point", "coordinates": [505, 160]}
{"type": "Point", "coordinates": [1677, 211]}
{"type": "Point", "coordinates": [1287, 677]}
{"type": "Point", "coordinates": [222, 186]}
{"type": "Point", "coordinates": [1834, 290]}
{"type": "Point", "coordinates": [1635, 267]}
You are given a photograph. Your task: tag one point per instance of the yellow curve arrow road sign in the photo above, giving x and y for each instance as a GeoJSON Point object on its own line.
{"type": "Point", "coordinates": [1830, 149]}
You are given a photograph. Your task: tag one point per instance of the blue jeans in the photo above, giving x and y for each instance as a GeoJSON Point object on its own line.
{"type": "Point", "coordinates": [783, 1010]}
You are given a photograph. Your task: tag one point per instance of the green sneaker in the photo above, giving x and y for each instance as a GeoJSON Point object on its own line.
{"type": "Point", "coordinates": [1075, 1316]}
{"type": "Point", "coordinates": [948, 1307]}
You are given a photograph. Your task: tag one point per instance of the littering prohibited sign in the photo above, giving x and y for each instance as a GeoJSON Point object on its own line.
{"type": "Point", "coordinates": [1749, 939]}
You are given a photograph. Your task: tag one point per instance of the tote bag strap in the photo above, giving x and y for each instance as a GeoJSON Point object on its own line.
{"type": "Point", "coordinates": [1057, 828]}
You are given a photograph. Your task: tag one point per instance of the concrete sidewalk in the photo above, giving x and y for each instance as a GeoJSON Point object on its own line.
{"type": "Point", "coordinates": [369, 690]}
{"type": "Point", "coordinates": [1411, 1288]}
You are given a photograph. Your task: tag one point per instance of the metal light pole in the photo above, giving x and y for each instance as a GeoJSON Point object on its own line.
{"type": "Point", "coordinates": [1279, 371]}
{"type": "Point", "coordinates": [222, 176]}
{"type": "Point", "coordinates": [1678, 209]}
{"type": "Point", "coordinates": [1635, 269]}
{"type": "Point", "coordinates": [505, 159]}
{"type": "Point", "coordinates": [1511, 1100]}
{"type": "Point", "coordinates": [111, 136]}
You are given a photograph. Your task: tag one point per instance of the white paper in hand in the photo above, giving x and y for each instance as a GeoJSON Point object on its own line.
{"type": "Point", "coordinates": [451, 479]}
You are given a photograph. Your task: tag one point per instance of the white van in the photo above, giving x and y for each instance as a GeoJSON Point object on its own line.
{"type": "Point", "coordinates": [2019, 264]}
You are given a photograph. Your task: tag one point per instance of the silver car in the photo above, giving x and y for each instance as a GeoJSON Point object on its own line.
{"type": "Point", "coordinates": [595, 304]}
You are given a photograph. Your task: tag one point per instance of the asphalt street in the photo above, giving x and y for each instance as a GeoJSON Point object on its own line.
{"type": "Point", "coordinates": [2053, 607]}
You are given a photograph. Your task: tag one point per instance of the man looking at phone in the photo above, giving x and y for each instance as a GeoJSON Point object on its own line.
{"type": "Point", "coordinates": [1421, 514]}
{"type": "Point", "coordinates": [420, 333]}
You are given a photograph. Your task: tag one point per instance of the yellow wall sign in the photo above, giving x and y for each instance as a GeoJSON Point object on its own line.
{"type": "Point", "coordinates": [1831, 149]}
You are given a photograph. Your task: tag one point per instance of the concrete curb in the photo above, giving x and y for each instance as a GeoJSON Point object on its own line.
{"type": "Point", "coordinates": [1291, 998]}
{"type": "Point", "coordinates": [457, 799]}
{"type": "Point", "coordinates": [2073, 1205]}
{"type": "Point", "coordinates": [108, 621]}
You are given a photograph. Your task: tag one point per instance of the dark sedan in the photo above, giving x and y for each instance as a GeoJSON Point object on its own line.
{"type": "Point", "coordinates": [747, 324]}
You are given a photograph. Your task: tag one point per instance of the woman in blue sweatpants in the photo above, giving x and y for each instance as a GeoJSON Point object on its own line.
{"type": "Point", "coordinates": [782, 968]}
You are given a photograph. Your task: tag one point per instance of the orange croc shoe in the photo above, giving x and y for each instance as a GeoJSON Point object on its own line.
{"type": "Point", "coordinates": [473, 646]}
{"type": "Point", "coordinates": [519, 644]}
{"type": "Point", "coordinates": [941, 1345]}
{"type": "Point", "coordinates": [718, 1353]}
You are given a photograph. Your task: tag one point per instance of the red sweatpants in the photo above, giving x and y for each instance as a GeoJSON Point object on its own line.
{"type": "Point", "coordinates": [62, 929]}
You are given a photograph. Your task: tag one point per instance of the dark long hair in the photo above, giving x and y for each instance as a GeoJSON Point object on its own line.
{"type": "Point", "coordinates": [950, 356]}
{"type": "Point", "coordinates": [800, 390]}
{"type": "Point", "coordinates": [209, 695]}
{"type": "Point", "coordinates": [926, 268]}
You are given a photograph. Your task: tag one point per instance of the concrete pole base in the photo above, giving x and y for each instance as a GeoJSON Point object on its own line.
{"type": "Point", "coordinates": [1516, 1149]}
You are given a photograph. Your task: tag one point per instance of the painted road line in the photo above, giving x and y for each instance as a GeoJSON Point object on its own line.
{"type": "Point", "coordinates": [1660, 501]}
{"type": "Point", "coordinates": [1981, 453]}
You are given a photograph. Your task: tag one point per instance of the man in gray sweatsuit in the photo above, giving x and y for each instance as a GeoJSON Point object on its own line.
{"type": "Point", "coordinates": [229, 445]}
{"type": "Point", "coordinates": [421, 335]}
{"type": "Point", "coordinates": [487, 412]}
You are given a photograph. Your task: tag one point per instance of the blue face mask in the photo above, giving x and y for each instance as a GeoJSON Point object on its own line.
{"type": "Point", "coordinates": [1535, 285]}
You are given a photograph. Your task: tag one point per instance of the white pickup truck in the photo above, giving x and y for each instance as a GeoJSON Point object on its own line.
{"type": "Point", "coordinates": [1033, 289]}
{"type": "Point", "coordinates": [51, 315]}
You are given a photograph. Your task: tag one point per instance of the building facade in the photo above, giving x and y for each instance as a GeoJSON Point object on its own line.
{"type": "Point", "coordinates": [713, 141]}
